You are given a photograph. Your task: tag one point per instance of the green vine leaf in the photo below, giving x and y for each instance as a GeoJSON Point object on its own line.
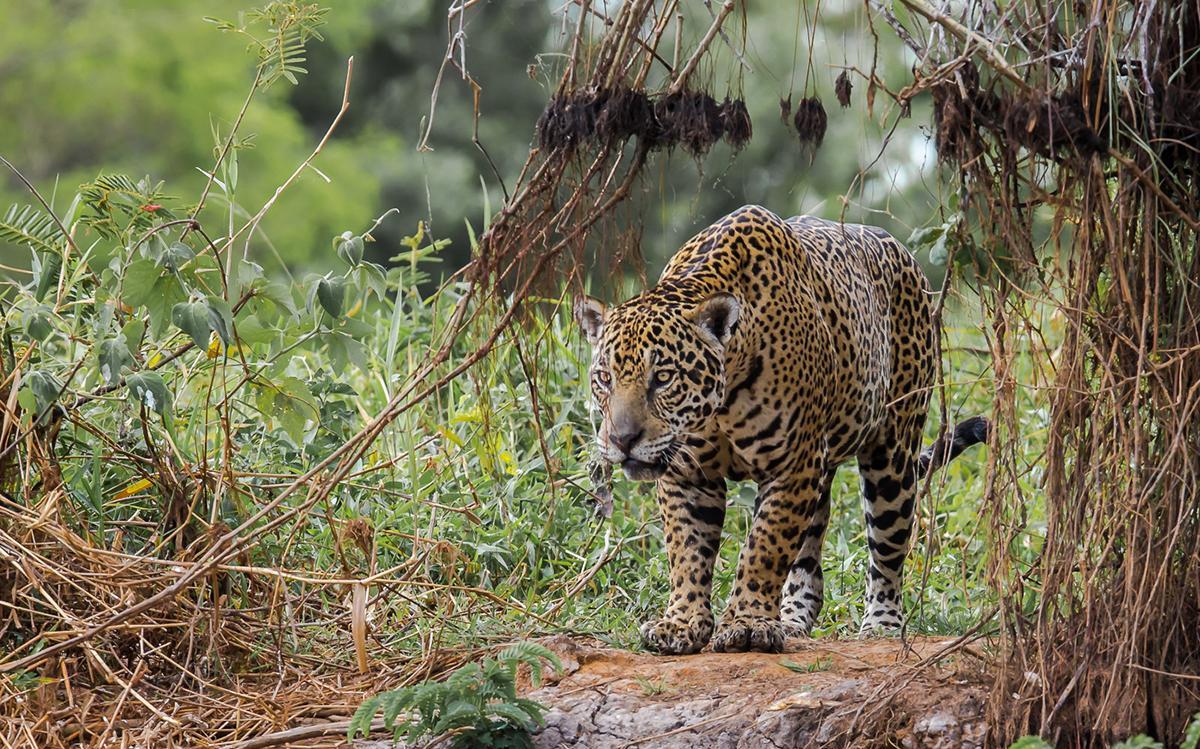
{"type": "Point", "coordinates": [38, 324]}
{"type": "Point", "coordinates": [140, 279]}
{"type": "Point", "coordinates": [331, 293]}
{"type": "Point", "coordinates": [220, 319]}
{"type": "Point", "coordinates": [112, 355]}
{"type": "Point", "coordinates": [192, 318]}
{"type": "Point", "coordinates": [46, 390]}
{"type": "Point", "coordinates": [148, 389]}
{"type": "Point", "coordinates": [175, 256]}
{"type": "Point", "coordinates": [350, 249]}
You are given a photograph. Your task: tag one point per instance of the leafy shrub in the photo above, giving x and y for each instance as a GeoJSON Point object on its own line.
{"type": "Point", "coordinates": [477, 705]}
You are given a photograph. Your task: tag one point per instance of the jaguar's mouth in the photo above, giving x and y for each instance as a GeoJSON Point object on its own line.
{"type": "Point", "coordinates": [641, 471]}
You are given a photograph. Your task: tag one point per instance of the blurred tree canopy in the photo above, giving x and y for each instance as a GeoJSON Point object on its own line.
{"type": "Point", "coordinates": [150, 87]}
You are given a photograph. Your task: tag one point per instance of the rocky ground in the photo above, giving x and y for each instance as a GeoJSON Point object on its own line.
{"type": "Point", "coordinates": [820, 692]}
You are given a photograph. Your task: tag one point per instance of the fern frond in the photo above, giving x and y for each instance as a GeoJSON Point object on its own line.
{"type": "Point", "coordinates": [361, 720]}
{"type": "Point", "coordinates": [458, 713]}
{"type": "Point", "coordinates": [477, 704]}
{"type": "Point", "coordinates": [532, 654]}
{"type": "Point", "coordinates": [291, 24]}
{"type": "Point", "coordinates": [535, 710]}
{"type": "Point", "coordinates": [395, 703]}
{"type": "Point", "coordinates": [514, 715]}
{"type": "Point", "coordinates": [31, 227]}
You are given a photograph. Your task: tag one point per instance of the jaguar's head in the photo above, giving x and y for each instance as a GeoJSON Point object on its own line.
{"type": "Point", "coordinates": [658, 373]}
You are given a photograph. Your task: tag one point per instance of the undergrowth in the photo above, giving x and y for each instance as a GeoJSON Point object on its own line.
{"type": "Point", "coordinates": [168, 390]}
{"type": "Point", "coordinates": [476, 705]}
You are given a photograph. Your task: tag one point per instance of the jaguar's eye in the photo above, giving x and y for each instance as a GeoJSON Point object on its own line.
{"type": "Point", "coordinates": [663, 376]}
{"type": "Point", "coordinates": [604, 378]}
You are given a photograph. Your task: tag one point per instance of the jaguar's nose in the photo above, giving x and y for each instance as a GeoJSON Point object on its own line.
{"type": "Point", "coordinates": [625, 441]}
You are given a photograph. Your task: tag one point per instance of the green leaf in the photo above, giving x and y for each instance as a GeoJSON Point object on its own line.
{"type": "Point", "coordinates": [331, 293]}
{"type": "Point", "coordinates": [140, 279]}
{"type": "Point", "coordinates": [374, 278]}
{"type": "Point", "coordinates": [231, 170]}
{"type": "Point", "coordinates": [192, 318]}
{"type": "Point", "coordinates": [350, 249]}
{"type": "Point", "coordinates": [938, 253]}
{"type": "Point", "coordinates": [251, 330]}
{"type": "Point", "coordinates": [355, 328]}
{"type": "Point", "coordinates": [243, 275]}
{"type": "Point", "coordinates": [153, 249]}
{"type": "Point", "coordinates": [133, 331]}
{"type": "Point", "coordinates": [175, 256]}
{"type": "Point", "coordinates": [514, 715]}
{"type": "Point", "coordinates": [46, 267]}
{"type": "Point", "coordinates": [27, 401]}
{"type": "Point", "coordinates": [345, 351]}
{"type": "Point", "coordinates": [289, 402]}
{"type": "Point", "coordinates": [46, 390]}
{"type": "Point", "coordinates": [396, 702]}
{"type": "Point", "coordinates": [112, 354]}
{"type": "Point", "coordinates": [458, 713]}
{"type": "Point", "coordinates": [148, 389]}
{"type": "Point", "coordinates": [220, 319]}
{"type": "Point", "coordinates": [278, 293]}
{"type": "Point", "coordinates": [38, 324]}
{"type": "Point", "coordinates": [166, 294]}
{"type": "Point", "coordinates": [924, 236]}
{"type": "Point", "coordinates": [106, 312]}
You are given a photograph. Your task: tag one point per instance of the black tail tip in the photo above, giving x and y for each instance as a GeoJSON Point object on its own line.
{"type": "Point", "coordinates": [973, 430]}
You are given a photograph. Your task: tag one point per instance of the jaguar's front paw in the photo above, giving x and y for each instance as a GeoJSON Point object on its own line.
{"type": "Point", "coordinates": [795, 626]}
{"type": "Point", "coordinates": [742, 633]}
{"type": "Point", "coordinates": [881, 622]}
{"type": "Point", "coordinates": [677, 636]}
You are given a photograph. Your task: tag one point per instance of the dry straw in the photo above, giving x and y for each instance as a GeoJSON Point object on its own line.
{"type": "Point", "coordinates": [1072, 130]}
{"type": "Point", "coordinates": [129, 648]}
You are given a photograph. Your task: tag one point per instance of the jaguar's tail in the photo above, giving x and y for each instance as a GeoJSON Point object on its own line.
{"type": "Point", "coordinates": [948, 447]}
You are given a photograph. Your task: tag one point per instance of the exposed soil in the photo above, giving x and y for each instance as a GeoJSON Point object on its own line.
{"type": "Point", "coordinates": [834, 694]}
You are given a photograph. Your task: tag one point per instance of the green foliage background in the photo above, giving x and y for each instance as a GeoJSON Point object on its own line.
{"type": "Point", "coordinates": [140, 87]}
{"type": "Point", "coordinates": [173, 367]}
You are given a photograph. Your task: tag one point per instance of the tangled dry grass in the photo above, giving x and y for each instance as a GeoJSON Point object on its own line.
{"type": "Point", "coordinates": [145, 648]}
{"type": "Point", "coordinates": [1073, 131]}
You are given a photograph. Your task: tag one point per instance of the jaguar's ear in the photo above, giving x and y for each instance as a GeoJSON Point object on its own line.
{"type": "Point", "coordinates": [589, 313]}
{"type": "Point", "coordinates": [717, 316]}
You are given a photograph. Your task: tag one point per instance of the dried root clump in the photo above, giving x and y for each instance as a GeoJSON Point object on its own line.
{"type": "Point", "coordinates": [810, 121]}
{"type": "Point", "coordinates": [691, 119]}
{"type": "Point", "coordinates": [842, 88]}
{"type": "Point", "coordinates": [1054, 126]}
{"type": "Point", "coordinates": [736, 120]}
{"type": "Point", "coordinates": [624, 114]}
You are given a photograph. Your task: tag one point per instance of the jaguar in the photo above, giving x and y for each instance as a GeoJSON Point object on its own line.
{"type": "Point", "coordinates": [772, 350]}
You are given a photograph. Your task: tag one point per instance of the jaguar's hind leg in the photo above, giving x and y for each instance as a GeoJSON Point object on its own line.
{"type": "Point", "coordinates": [804, 591]}
{"type": "Point", "coordinates": [889, 478]}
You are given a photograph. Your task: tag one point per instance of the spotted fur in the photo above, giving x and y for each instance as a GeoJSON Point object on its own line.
{"type": "Point", "coordinates": [771, 350]}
